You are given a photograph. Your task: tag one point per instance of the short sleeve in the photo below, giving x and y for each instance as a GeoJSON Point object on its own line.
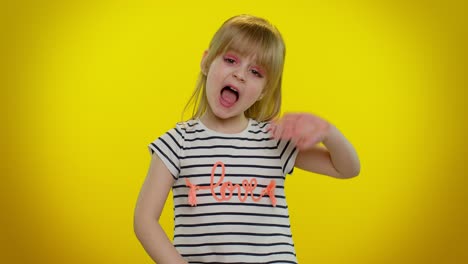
{"type": "Point", "coordinates": [169, 147]}
{"type": "Point", "coordinates": [288, 153]}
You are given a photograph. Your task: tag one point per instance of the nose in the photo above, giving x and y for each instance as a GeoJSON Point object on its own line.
{"type": "Point", "coordinates": [238, 75]}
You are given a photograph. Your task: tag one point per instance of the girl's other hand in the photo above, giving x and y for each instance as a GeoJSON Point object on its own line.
{"type": "Point", "coordinates": [303, 129]}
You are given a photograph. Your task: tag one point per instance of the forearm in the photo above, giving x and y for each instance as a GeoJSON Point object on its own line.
{"type": "Point", "coordinates": [342, 153]}
{"type": "Point", "coordinates": [156, 243]}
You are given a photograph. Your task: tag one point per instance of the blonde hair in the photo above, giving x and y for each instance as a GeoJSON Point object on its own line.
{"type": "Point", "coordinates": [247, 35]}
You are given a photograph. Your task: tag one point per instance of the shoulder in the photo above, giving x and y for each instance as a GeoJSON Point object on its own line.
{"type": "Point", "coordinates": [259, 132]}
{"type": "Point", "coordinates": [189, 127]}
{"type": "Point", "coordinates": [260, 126]}
{"type": "Point", "coordinates": [179, 132]}
{"type": "Point", "coordinates": [188, 131]}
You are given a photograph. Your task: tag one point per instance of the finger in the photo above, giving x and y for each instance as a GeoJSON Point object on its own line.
{"type": "Point", "coordinates": [302, 129]}
{"type": "Point", "coordinates": [278, 125]}
{"type": "Point", "coordinates": [293, 141]}
{"type": "Point", "coordinates": [270, 127]}
{"type": "Point", "coordinates": [314, 140]}
{"type": "Point", "coordinates": [291, 126]}
{"type": "Point", "coordinates": [271, 130]}
{"type": "Point", "coordinates": [277, 131]}
{"type": "Point", "coordinates": [288, 130]}
{"type": "Point", "coordinates": [300, 144]}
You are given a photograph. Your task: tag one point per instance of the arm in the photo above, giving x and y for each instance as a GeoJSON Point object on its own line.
{"type": "Point", "coordinates": [338, 159]}
{"type": "Point", "coordinates": [148, 209]}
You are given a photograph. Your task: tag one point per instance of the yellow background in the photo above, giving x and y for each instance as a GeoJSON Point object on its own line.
{"type": "Point", "coordinates": [87, 85]}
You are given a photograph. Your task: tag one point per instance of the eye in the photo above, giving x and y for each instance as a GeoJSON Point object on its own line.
{"type": "Point", "coordinates": [256, 73]}
{"type": "Point", "coordinates": [229, 60]}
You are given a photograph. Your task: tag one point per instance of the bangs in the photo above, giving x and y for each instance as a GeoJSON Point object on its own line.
{"type": "Point", "coordinates": [254, 46]}
{"type": "Point", "coordinates": [256, 41]}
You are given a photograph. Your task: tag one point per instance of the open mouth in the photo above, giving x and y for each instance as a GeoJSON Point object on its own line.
{"type": "Point", "coordinates": [229, 96]}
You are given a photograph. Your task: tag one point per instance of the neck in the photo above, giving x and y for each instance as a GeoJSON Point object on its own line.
{"type": "Point", "coordinates": [232, 125]}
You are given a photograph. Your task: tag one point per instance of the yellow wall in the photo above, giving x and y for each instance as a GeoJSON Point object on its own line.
{"type": "Point", "coordinates": [87, 85]}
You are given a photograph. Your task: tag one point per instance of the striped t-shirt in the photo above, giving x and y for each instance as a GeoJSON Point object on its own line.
{"type": "Point", "coordinates": [229, 199]}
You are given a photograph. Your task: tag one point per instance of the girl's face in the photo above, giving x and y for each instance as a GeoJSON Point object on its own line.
{"type": "Point", "coordinates": [234, 83]}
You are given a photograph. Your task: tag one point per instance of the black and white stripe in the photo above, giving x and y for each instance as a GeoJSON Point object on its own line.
{"type": "Point", "coordinates": [229, 231]}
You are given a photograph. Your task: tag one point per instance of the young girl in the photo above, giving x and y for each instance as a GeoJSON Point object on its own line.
{"type": "Point", "coordinates": [227, 164]}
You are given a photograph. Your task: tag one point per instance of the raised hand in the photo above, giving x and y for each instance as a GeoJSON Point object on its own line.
{"type": "Point", "coordinates": [303, 129]}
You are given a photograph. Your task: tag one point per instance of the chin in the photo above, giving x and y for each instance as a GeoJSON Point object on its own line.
{"type": "Point", "coordinates": [219, 113]}
{"type": "Point", "coordinates": [223, 115]}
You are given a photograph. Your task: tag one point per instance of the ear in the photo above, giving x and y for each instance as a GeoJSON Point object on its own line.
{"type": "Point", "coordinates": [203, 67]}
{"type": "Point", "coordinates": [261, 95]}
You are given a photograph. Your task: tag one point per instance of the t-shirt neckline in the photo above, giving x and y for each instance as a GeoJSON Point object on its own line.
{"type": "Point", "coordinates": [214, 132]}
